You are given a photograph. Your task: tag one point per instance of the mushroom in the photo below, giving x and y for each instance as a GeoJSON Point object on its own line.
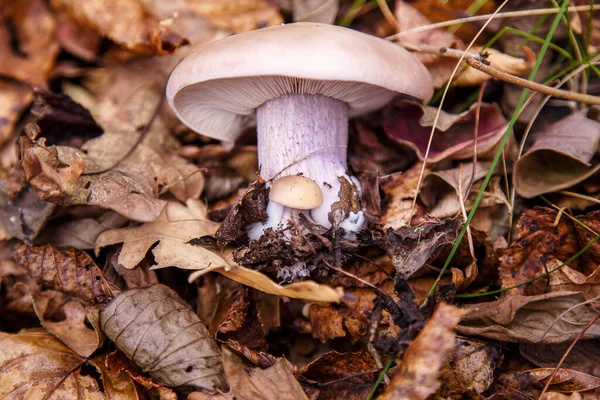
{"type": "Point", "coordinates": [301, 82]}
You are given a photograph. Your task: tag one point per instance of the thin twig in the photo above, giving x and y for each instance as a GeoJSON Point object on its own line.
{"type": "Point", "coordinates": [388, 14]}
{"type": "Point", "coordinates": [483, 17]}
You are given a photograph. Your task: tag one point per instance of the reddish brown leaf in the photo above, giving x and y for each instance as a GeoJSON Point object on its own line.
{"type": "Point", "coordinates": [70, 271]}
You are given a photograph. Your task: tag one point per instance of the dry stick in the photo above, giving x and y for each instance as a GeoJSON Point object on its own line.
{"type": "Point", "coordinates": [550, 91]}
{"type": "Point", "coordinates": [388, 14]}
{"type": "Point", "coordinates": [483, 17]}
{"type": "Point", "coordinates": [439, 110]}
{"type": "Point", "coordinates": [564, 357]}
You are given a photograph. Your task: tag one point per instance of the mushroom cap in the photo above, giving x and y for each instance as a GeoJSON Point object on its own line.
{"type": "Point", "coordinates": [297, 192]}
{"type": "Point", "coordinates": [217, 88]}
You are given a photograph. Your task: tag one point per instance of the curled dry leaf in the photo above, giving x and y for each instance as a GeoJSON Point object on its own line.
{"type": "Point", "coordinates": [561, 156]}
{"type": "Point", "coordinates": [348, 376]}
{"type": "Point", "coordinates": [238, 15]}
{"type": "Point", "coordinates": [73, 330]}
{"type": "Point", "coordinates": [273, 383]}
{"type": "Point", "coordinates": [411, 247]}
{"type": "Point", "coordinates": [304, 290]}
{"type": "Point", "coordinates": [125, 22]}
{"type": "Point", "coordinates": [37, 365]}
{"type": "Point", "coordinates": [470, 368]}
{"type": "Point", "coordinates": [531, 319]}
{"type": "Point", "coordinates": [417, 375]}
{"type": "Point", "coordinates": [409, 123]}
{"type": "Point", "coordinates": [176, 224]}
{"type": "Point", "coordinates": [544, 239]}
{"type": "Point", "coordinates": [566, 381]}
{"type": "Point", "coordinates": [27, 41]}
{"type": "Point", "coordinates": [158, 331]}
{"type": "Point", "coordinates": [70, 271]}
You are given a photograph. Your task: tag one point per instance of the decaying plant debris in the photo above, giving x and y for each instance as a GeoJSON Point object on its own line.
{"type": "Point", "coordinates": [127, 270]}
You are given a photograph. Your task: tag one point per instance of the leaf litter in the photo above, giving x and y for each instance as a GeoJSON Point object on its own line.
{"type": "Point", "coordinates": [126, 271]}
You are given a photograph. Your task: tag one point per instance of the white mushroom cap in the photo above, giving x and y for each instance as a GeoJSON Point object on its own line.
{"type": "Point", "coordinates": [216, 89]}
{"type": "Point", "coordinates": [297, 192]}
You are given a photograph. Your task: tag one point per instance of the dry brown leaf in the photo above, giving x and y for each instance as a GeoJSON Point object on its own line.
{"type": "Point", "coordinates": [583, 357]}
{"type": "Point", "coordinates": [70, 271]}
{"type": "Point", "coordinates": [125, 22]}
{"type": "Point", "coordinates": [525, 319]}
{"type": "Point", "coordinates": [27, 41]}
{"type": "Point", "coordinates": [304, 290]}
{"type": "Point", "coordinates": [14, 98]}
{"type": "Point", "coordinates": [417, 374]}
{"type": "Point", "coordinates": [273, 383]}
{"type": "Point", "coordinates": [401, 189]}
{"type": "Point", "coordinates": [502, 62]}
{"type": "Point", "coordinates": [565, 381]}
{"type": "Point", "coordinates": [342, 375]}
{"type": "Point", "coordinates": [470, 368]}
{"type": "Point", "coordinates": [238, 15]}
{"type": "Point", "coordinates": [176, 225]}
{"type": "Point", "coordinates": [544, 239]}
{"type": "Point", "coordinates": [35, 365]}
{"type": "Point", "coordinates": [158, 331]}
{"type": "Point", "coordinates": [73, 330]}
{"type": "Point", "coordinates": [561, 156]}
{"type": "Point", "coordinates": [115, 370]}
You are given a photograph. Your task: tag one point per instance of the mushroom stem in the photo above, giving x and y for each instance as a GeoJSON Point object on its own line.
{"type": "Point", "coordinates": [302, 134]}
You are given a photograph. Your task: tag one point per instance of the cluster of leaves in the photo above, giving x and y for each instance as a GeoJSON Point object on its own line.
{"type": "Point", "coordinates": [125, 271]}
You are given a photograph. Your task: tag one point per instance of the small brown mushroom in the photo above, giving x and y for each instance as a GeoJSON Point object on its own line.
{"type": "Point", "coordinates": [297, 192]}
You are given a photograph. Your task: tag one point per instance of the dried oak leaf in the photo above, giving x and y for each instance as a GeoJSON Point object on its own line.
{"type": "Point", "coordinates": [470, 369]}
{"type": "Point", "coordinates": [238, 15]}
{"type": "Point", "coordinates": [355, 372]}
{"type": "Point", "coordinates": [14, 98]}
{"type": "Point", "coordinates": [417, 374]}
{"type": "Point", "coordinates": [543, 239]}
{"type": "Point", "coordinates": [409, 123]}
{"type": "Point", "coordinates": [158, 331]}
{"type": "Point", "coordinates": [125, 22]}
{"type": "Point", "coordinates": [176, 225]}
{"type": "Point", "coordinates": [37, 365]}
{"type": "Point", "coordinates": [531, 319]}
{"type": "Point", "coordinates": [411, 247]}
{"type": "Point", "coordinates": [561, 156]}
{"type": "Point", "coordinates": [28, 46]}
{"type": "Point", "coordinates": [273, 383]}
{"type": "Point", "coordinates": [70, 271]}
{"type": "Point", "coordinates": [566, 381]}
{"type": "Point", "coordinates": [73, 330]}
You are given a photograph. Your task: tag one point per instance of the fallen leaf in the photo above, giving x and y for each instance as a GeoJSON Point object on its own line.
{"type": "Point", "coordinates": [417, 375]}
{"type": "Point", "coordinates": [70, 271]}
{"type": "Point", "coordinates": [73, 330]}
{"type": "Point", "coordinates": [525, 319]}
{"type": "Point", "coordinates": [561, 156]}
{"type": "Point", "coordinates": [176, 225]}
{"type": "Point", "coordinates": [411, 247]}
{"type": "Point", "coordinates": [238, 15]}
{"type": "Point", "coordinates": [23, 216]}
{"type": "Point", "coordinates": [125, 22]}
{"type": "Point", "coordinates": [496, 59]}
{"type": "Point", "coordinates": [14, 98]}
{"type": "Point", "coordinates": [566, 381]}
{"type": "Point", "coordinates": [342, 375]}
{"type": "Point", "coordinates": [116, 372]}
{"type": "Point", "coordinates": [158, 331]}
{"type": "Point", "coordinates": [27, 41]}
{"type": "Point", "coordinates": [409, 123]}
{"type": "Point", "coordinates": [400, 190]}
{"type": "Point", "coordinates": [36, 365]}
{"type": "Point", "coordinates": [470, 369]}
{"type": "Point", "coordinates": [542, 239]}
{"type": "Point", "coordinates": [583, 357]}
{"type": "Point", "coordinates": [274, 383]}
